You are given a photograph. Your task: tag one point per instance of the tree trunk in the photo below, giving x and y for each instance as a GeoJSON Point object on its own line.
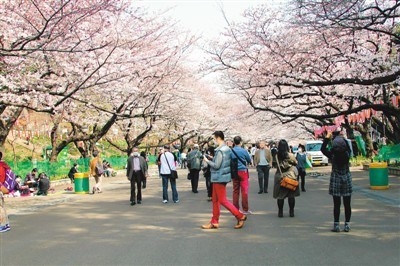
{"type": "Point", "coordinates": [53, 139]}
{"type": "Point", "coordinates": [6, 126]}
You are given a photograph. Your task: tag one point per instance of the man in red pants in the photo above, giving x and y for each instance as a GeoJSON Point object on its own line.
{"type": "Point", "coordinates": [220, 176]}
{"type": "Point", "coordinates": [241, 184]}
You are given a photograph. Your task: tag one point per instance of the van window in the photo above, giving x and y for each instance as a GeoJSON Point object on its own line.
{"type": "Point", "coordinates": [313, 146]}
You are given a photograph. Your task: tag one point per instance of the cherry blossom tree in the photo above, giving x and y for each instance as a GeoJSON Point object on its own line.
{"type": "Point", "coordinates": [316, 60]}
{"type": "Point", "coordinates": [88, 63]}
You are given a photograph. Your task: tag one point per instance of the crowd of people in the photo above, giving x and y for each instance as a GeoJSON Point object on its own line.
{"type": "Point", "coordinates": [220, 164]}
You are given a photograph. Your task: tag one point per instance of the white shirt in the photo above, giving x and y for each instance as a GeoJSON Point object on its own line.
{"type": "Point", "coordinates": [253, 150]}
{"type": "Point", "coordinates": [164, 169]}
{"type": "Point", "coordinates": [136, 164]}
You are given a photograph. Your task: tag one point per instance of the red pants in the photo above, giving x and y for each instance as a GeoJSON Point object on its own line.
{"type": "Point", "coordinates": [218, 199]}
{"type": "Point", "coordinates": [241, 185]}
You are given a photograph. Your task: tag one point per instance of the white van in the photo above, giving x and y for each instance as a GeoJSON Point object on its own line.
{"type": "Point", "coordinates": [314, 154]}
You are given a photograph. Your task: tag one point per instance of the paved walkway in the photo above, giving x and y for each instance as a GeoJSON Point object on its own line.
{"type": "Point", "coordinates": [103, 229]}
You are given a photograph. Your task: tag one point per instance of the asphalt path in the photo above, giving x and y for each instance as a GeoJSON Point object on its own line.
{"type": "Point", "coordinates": [103, 229]}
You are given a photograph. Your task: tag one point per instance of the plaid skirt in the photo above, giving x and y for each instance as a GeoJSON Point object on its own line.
{"type": "Point", "coordinates": [340, 184]}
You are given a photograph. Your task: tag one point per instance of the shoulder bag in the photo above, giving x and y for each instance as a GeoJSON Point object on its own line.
{"type": "Point", "coordinates": [174, 173]}
{"type": "Point", "coordinates": [235, 166]}
{"type": "Point", "coordinates": [288, 178]}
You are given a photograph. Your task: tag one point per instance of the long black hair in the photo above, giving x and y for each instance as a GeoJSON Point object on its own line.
{"type": "Point", "coordinates": [283, 150]}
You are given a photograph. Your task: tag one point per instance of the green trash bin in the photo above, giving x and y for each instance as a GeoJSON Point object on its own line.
{"type": "Point", "coordinates": [81, 183]}
{"type": "Point", "coordinates": [378, 176]}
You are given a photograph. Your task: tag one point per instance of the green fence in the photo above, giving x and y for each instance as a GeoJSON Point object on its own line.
{"type": "Point", "coordinates": [59, 170]}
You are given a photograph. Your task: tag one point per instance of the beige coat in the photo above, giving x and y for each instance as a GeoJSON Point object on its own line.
{"type": "Point", "coordinates": [268, 156]}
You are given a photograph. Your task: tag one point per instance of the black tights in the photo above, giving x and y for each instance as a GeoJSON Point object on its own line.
{"type": "Point", "coordinates": [336, 208]}
{"type": "Point", "coordinates": [291, 202]}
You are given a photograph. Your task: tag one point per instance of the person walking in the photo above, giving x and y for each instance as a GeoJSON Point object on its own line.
{"type": "Point", "coordinates": [262, 161]}
{"type": "Point", "coordinates": [301, 158]}
{"type": "Point", "coordinates": [285, 162]}
{"type": "Point", "coordinates": [253, 153]}
{"type": "Point", "coordinates": [96, 170]}
{"type": "Point", "coordinates": [241, 184]}
{"type": "Point", "coordinates": [146, 160]}
{"type": "Point", "coordinates": [207, 172]}
{"type": "Point", "coordinates": [194, 165]}
{"type": "Point", "coordinates": [136, 172]}
{"type": "Point", "coordinates": [183, 159]}
{"type": "Point", "coordinates": [220, 176]}
{"type": "Point", "coordinates": [167, 165]}
{"type": "Point", "coordinates": [4, 222]}
{"type": "Point", "coordinates": [340, 185]}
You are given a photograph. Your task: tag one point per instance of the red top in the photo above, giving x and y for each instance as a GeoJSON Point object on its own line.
{"type": "Point", "coordinates": [3, 168]}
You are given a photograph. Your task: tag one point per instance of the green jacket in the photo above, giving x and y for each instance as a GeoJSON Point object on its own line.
{"type": "Point", "coordinates": [194, 159]}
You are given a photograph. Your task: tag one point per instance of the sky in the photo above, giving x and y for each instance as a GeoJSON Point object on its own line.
{"type": "Point", "coordinates": [204, 16]}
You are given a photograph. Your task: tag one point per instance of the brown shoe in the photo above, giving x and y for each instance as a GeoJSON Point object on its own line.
{"type": "Point", "coordinates": [240, 222]}
{"type": "Point", "coordinates": [210, 226]}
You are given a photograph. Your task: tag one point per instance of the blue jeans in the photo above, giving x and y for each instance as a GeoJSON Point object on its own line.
{"type": "Point", "coordinates": [165, 187]}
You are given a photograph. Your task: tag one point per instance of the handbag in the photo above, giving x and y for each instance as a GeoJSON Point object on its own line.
{"type": "Point", "coordinates": [174, 173]}
{"type": "Point", "coordinates": [288, 178]}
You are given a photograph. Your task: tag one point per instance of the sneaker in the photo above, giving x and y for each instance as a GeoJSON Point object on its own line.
{"type": "Point", "coordinates": [336, 228]}
{"type": "Point", "coordinates": [133, 203]}
{"type": "Point", "coordinates": [177, 201]}
{"type": "Point", "coordinates": [139, 202]}
{"type": "Point", "coordinates": [346, 227]}
{"type": "Point", "coordinates": [4, 229]}
{"type": "Point", "coordinates": [247, 213]}
{"type": "Point", "coordinates": [165, 201]}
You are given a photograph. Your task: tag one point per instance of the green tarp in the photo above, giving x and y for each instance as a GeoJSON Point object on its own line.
{"type": "Point", "coordinates": [388, 153]}
{"type": "Point", "coordinates": [61, 168]}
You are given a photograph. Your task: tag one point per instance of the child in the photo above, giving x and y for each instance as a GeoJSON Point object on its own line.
{"type": "Point", "coordinates": [4, 223]}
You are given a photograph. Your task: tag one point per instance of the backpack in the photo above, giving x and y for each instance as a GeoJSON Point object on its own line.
{"type": "Point", "coordinates": [99, 169]}
{"type": "Point", "coordinates": [235, 165]}
{"type": "Point", "coordinates": [341, 152]}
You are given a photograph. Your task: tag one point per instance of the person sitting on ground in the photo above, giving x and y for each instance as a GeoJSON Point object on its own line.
{"type": "Point", "coordinates": [43, 185]}
{"type": "Point", "coordinates": [72, 172]}
{"type": "Point", "coordinates": [106, 167]}
{"type": "Point", "coordinates": [20, 187]}
{"type": "Point", "coordinates": [31, 179]}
